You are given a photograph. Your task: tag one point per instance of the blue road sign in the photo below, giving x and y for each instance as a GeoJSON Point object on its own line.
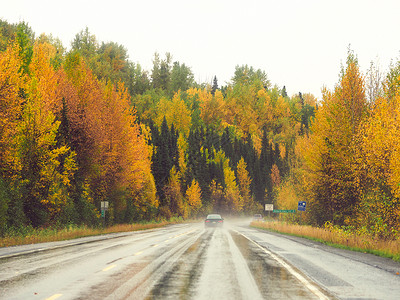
{"type": "Point", "coordinates": [302, 206]}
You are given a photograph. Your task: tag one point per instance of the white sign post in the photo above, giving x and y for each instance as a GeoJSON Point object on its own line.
{"type": "Point", "coordinates": [269, 208]}
{"type": "Point", "coordinates": [104, 207]}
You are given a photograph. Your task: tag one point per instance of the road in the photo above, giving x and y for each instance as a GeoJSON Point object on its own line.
{"type": "Point", "coordinates": [188, 261]}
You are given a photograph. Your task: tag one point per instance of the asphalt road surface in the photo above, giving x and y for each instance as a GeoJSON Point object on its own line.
{"type": "Point", "coordinates": [188, 261]}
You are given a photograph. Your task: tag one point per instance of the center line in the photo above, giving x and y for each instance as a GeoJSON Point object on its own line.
{"type": "Point", "coordinates": [108, 268]}
{"type": "Point", "coordinates": [55, 296]}
{"type": "Point", "coordinates": [138, 253]}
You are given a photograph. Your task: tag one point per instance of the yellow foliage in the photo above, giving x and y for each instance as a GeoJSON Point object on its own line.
{"type": "Point", "coordinates": [175, 112]}
{"type": "Point", "coordinates": [11, 81]}
{"type": "Point", "coordinates": [244, 182]}
{"type": "Point", "coordinates": [193, 196]}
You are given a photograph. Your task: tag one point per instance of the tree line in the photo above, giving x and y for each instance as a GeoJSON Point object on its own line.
{"type": "Point", "coordinates": [87, 125]}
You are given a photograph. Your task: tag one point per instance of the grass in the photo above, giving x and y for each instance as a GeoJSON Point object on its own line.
{"type": "Point", "coordinates": [34, 236]}
{"type": "Point", "coordinates": [337, 238]}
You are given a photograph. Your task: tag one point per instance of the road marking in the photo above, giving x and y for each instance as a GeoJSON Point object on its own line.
{"type": "Point", "coordinates": [155, 245]}
{"type": "Point", "coordinates": [55, 296]}
{"type": "Point", "coordinates": [296, 274]}
{"type": "Point", "coordinates": [109, 268]}
{"type": "Point", "coordinates": [138, 253]}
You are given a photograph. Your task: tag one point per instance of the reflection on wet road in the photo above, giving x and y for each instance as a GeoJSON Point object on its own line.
{"type": "Point", "coordinates": [181, 262]}
{"type": "Point", "coordinates": [224, 265]}
{"type": "Point", "coordinates": [209, 264]}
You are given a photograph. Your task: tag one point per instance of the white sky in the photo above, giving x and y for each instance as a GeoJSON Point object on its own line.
{"type": "Point", "coordinates": [300, 44]}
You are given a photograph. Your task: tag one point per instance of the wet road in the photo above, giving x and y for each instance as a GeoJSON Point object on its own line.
{"type": "Point", "coordinates": [188, 261]}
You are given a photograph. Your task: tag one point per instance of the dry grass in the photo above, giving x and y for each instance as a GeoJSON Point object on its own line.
{"type": "Point", "coordinates": [51, 235]}
{"type": "Point", "coordinates": [338, 238]}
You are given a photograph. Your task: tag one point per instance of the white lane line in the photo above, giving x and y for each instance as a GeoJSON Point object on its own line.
{"type": "Point", "coordinates": [109, 268]}
{"type": "Point", "coordinates": [296, 274]}
{"type": "Point", "coordinates": [55, 296]}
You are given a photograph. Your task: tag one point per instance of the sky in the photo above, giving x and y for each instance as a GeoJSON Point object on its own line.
{"type": "Point", "coordinates": [300, 44]}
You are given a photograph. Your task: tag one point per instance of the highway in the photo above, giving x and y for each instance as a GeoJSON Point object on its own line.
{"type": "Point", "coordinates": [189, 261]}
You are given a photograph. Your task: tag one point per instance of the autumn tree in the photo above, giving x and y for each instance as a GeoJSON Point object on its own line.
{"type": "Point", "coordinates": [330, 151]}
{"type": "Point", "coordinates": [249, 76]}
{"type": "Point", "coordinates": [193, 197]}
{"type": "Point", "coordinates": [174, 200]}
{"type": "Point", "coordinates": [378, 168]}
{"type": "Point", "coordinates": [244, 182]}
{"type": "Point", "coordinates": [11, 82]}
{"type": "Point", "coordinates": [176, 112]}
{"type": "Point", "coordinates": [45, 170]}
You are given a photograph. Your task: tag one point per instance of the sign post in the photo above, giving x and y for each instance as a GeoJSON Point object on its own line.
{"type": "Point", "coordinates": [302, 206]}
{"type": "Point", "coordinates": [104, 207]}
{"type": "Point", "coordinates": [269, 208]}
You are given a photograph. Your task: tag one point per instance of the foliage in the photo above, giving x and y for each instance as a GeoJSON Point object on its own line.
{"type": "Point", "coordinates": [193, 196]}
{"type": "Point", "coordinates": [88, 125]}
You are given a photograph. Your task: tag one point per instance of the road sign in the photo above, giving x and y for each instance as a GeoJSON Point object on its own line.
{"type": "Point", "coordinates": [277, 211]}
{"type": "Point", "coordinates": [302, 206]}
{"type": "Point", "coordinates": [104, 205]}
{"type": "Point", "coordinates": [269, 207]}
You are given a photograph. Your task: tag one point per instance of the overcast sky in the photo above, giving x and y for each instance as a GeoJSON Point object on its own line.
{"type": "Point", "coordinates": [300, 44]}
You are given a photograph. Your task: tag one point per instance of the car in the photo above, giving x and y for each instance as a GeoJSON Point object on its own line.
{"type": "Point", "coordinates": [258, 217]}
{"type": "Point", "coordinates": [214, 220]}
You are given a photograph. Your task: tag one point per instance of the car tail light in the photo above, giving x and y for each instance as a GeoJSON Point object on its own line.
{"type": "Point", "coordinates": [207, 221]}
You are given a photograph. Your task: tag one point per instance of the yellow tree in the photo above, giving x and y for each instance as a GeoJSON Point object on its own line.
{"type": "Point", "coordinates": [11, 82]}
{"type": "Point", "coordinates": [329, 153]}
{"type": "Point", "coordinates": [379, 168]}
{"type": "Point", "coordinates": [244, 182]}
{"type": "Point", "coordinates": [193, 197]}
{"type": "Point", "coordinates": [45, 168]}
{"type": "Point", "coordinates": [175, 112]}
{"type": "Point", "coordinates": [211, 107]}
{"type": "Point", "coordinates": [233, 201]}
{"type": "Point", "coordinates": [173, 193]}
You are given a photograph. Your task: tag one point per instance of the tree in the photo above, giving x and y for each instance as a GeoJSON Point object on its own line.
{"type": "Point", "coordinates": [214, 87]}
{"type": "Point", "coordinates": [329, 153]}
{"type": "Point", "coordinates": [85, 43]}
{"type": "Point", "coordinates": [249, 76]}
{"type": "Point", "coordinates": [174, 198]}
{"type": "Point", "coordinates": [244, 182]}
{"type": "Point", "coordinates": [161, 72]}
{"type": "Point", "coordinates": [45, 170]}
{"type": "Point", "coordinates": [175, 111]}
{"type": "Point", "coordinates": [25, 38]}
{"type": "Point", "coordinates": [7, 34]}
{"type": "Point", "coordinates": [374, 83]}
{"type": "Point", "coordinates": [193, 197]}
{"type": "Point", "coordinates": [11, 82]}
{"type": "Point", "coordinates": [182, 77]}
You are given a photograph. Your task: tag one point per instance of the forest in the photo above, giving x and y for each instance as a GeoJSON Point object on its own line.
{"type": "Point", "coordinates": [86, 125]}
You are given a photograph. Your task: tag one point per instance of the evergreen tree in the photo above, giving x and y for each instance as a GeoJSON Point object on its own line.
{"type": "Point", "coordinates": [214, 86]}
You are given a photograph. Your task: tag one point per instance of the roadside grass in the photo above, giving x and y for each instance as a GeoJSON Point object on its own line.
{"type": "Point", "coordinates": [31, 235]}
{"type": "Point", "coordinates": [337, 238]}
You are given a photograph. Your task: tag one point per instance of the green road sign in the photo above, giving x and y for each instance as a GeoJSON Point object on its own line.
{"type": "Point", "coordinates": [277, 211]}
